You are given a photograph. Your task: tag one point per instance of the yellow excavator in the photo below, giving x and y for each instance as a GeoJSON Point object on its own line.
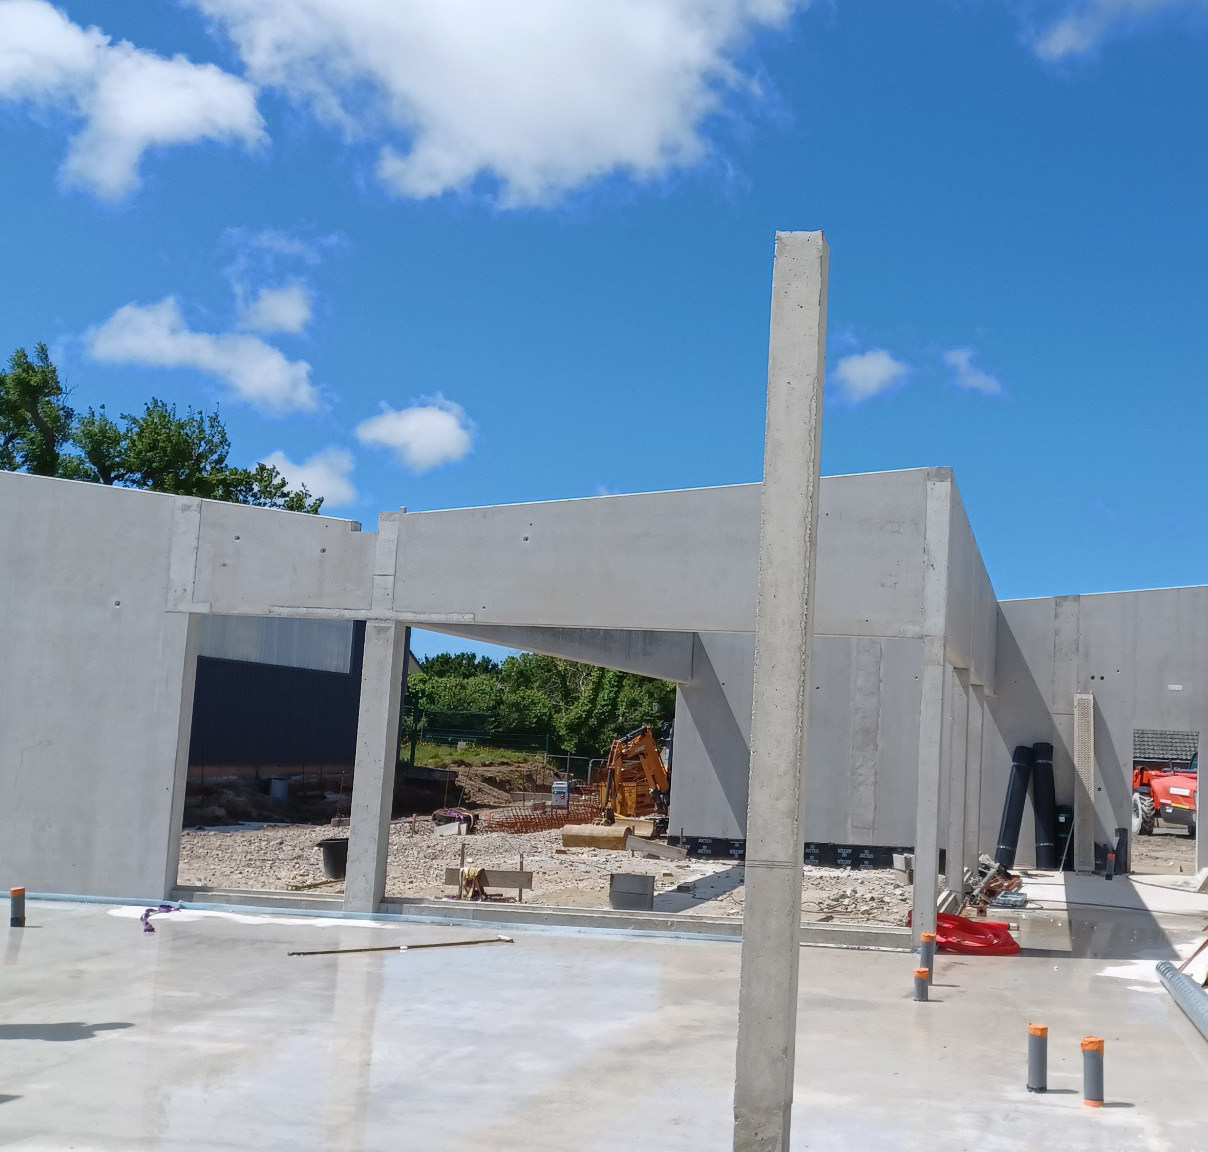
{"type": "Point", "coordinates": [634, 781]}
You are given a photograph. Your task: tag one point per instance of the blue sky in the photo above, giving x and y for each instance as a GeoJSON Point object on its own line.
{"type": "Point", "coordinates": [437, 255]}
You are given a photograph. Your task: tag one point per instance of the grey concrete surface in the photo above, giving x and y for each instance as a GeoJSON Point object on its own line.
{"type": "Point", "coordinates": [206, 1036]}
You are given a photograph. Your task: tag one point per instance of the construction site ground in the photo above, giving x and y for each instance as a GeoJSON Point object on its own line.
{"type": "Point", "coordinates": [285, 857]}
{"type": "Point", "coordinates": [209, 1035]}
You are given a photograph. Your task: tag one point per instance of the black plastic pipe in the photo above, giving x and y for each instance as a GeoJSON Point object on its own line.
{"type": "Point", "coordinates": [1044, 805]}
{"type": "Point", "coordinates": [1012, 811]}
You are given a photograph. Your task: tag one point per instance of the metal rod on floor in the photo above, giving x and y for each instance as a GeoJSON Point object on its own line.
{"type": "Point", "coordinates": [404, 947]}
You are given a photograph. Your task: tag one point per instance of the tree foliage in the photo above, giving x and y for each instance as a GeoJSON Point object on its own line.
{"type": "Point", "coordinates": [158, 449]}
{"type": "Point", "coordinates": [580, 707]}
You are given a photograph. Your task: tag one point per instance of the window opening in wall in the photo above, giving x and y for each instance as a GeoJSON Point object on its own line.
{"type": "Point", "coordinates": [271, 752]}
{"type": "Point", "coordinates": [1165, 795]}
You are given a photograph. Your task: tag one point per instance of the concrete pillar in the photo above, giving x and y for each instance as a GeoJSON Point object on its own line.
{"type": "Point", "coordinates": [933, 731]}
{"type": "Point", "coordinates": [184, 733]}
{"type": "Point", "coordinates": [377, 753]}
{"type": "Point", "coordinates": [958, 768]}
{"type": "Point", "coordinates": [973, 757]}
{"type": "Point", "coordinates": [771, 944]}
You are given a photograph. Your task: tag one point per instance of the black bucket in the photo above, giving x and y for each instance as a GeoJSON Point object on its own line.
{"type": "Point", "coordinates": [335, 856]}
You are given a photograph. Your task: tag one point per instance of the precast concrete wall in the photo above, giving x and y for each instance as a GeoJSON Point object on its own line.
{"type": "Point", "coordinates": [1142, 655]}
{"type": "Point", "coordinates": [862, 759]}
{"type": "Point", "coordinates": [98, 639]}
{"type": "Point", "coordinates": [95, 689]}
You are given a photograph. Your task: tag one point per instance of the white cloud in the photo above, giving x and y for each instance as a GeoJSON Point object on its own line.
{"type": "Point", "coordinates": [282, 309]}
{"type": "Point", "coordinates": [431, 432]}
{"type": "Point", "coordinates": [966, 375]}
{"type": "Point", "coordinates": [129, 100]}
{"type": "Point", "coordinates": [156, 335]}
{"type": "Point", "coordinates": [327, 473]}
{"type": "Point", "coordinates": [867, 374]}
{"type": "Point", "coordinates": [1087, 23]}
{"type": "Point", "coordinates": [542, 96]}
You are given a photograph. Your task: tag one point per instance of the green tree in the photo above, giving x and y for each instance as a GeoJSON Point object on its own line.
{"type": "Point", "coordinates": [35, 420]}
{"type": "Point", "coordinates": [159, 449]}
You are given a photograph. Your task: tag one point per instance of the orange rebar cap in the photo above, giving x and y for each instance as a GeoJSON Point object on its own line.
{"type": "Point", "coordinates": [1038, 1030]}
{"type": "Point", "coordinates": [1092, 1044]}
{"type": "Point", "coordinates": [928, 936]}
{"type": "Point", "coordinates": [922, 973]}
{"type": "Point", "coordinates": [16, 892]}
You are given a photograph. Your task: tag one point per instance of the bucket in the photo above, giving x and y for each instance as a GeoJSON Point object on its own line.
{"type": "Point", "coordinates": [335, 856]}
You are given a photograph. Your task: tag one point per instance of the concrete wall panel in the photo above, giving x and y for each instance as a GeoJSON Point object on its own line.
{"type": "Point", "coordinates": [91, 681]}
{"type": "Point", "coordinates": [251, 564]}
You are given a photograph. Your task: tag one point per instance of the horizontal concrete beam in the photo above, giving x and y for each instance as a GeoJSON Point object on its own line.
{"type": "Point", "coordinates": [662, 655]}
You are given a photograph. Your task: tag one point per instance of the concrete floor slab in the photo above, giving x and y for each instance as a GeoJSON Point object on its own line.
{"type": "Point", "coordinates": [206, 1035]}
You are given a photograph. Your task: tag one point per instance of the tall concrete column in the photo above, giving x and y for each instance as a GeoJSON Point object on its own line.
{"type": "Point", "coordinates": [958, 779]}
{"type": "Point", "coordinates": [933, 731]}
{"type": "Point", "coordinates": [184, 735]}
{"type": "Point", "coordinates": [771, 943]}
{"type": "Point", "coordinates": [973, 757]}
{"type": "Point", "coordinates": [377, 753]}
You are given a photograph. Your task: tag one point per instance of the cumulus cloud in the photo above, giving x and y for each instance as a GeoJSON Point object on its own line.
{"type": "Point", "coordinates": [1085, 24]}
{"type": "Point", "coordinates": [282, 309]}
{"type": "Point", "coordinates": [540, 96]}
{"type": "Point", "coordinates": [327, 473]}
{"type": "Point", "coordinates": [966, 375]}
{"type": "Point", "coordinates": [156, 335]}
{"type": "Point", "coordinates": [433, 431]}
{"type": "Point", "coordinates": [128, 99]}
{"type": "Point", "coordinates": [864, 375]}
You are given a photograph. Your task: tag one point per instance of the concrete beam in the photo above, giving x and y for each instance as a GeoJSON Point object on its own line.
{"type": "Point", "coordinates": [663, 655]}
{"type": "Point", "coordinates": [376, 756]}
{"type": "Point", "coordinates": [767, 996]}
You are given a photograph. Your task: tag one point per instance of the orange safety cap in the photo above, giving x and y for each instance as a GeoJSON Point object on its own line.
{"type": "Point", "coordinates": [16, 891]}
{"type": "Point", "coordinates": [1038, 1030]}
{"type": "Point", "coordinates": [1092, 1044]}
{"type": "Point", "coordinates": [928, 936]}
{"type": "Point", "coordinates": [922, 973]}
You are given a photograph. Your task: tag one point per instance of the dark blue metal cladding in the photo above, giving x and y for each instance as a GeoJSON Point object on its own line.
{"type": "Point", "coordinates": [269, 716]}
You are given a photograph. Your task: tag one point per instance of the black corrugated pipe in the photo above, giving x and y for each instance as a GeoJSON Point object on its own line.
{"type": "Point", "coordinates": [1012, 811]}
{"type": "Point", "coordinates": [1044, 805]}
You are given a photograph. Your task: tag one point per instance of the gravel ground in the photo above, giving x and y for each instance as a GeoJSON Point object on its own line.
{"type": "Point", "coordinates": [284, 857]}
{"type": "Point", "coordinates": [1168, 852]}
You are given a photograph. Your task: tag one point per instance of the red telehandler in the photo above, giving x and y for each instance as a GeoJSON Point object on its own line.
{"type": "Point", "coordinates": [1167, 795]}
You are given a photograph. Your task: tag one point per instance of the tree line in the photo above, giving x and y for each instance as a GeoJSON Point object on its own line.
{"type": "Point", "coordinates": [158, 449]}
{"type": "Point", "coordinates": [581, 708]}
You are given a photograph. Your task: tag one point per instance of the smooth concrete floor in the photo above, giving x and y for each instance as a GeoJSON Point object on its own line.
{"type": "Point", "coordinates": [206, 1035]}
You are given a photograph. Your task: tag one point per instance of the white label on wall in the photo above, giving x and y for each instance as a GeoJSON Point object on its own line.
{"type": "Point", "coordinates": [1174, 687]}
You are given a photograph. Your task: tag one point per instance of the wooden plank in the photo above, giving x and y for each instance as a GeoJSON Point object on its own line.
{"type": "Point", "coordinates": [496, 879]}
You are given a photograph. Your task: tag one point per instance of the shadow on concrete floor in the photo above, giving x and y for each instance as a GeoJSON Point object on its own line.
{"type": "Point", "coordinates": [703, 890]}
{"type": "Point", "coordinates": [74, 1030]}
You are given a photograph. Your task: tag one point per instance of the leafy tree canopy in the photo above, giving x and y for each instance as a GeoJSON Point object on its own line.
{"type": "Point", "coordinates": [581, 707]}
{"type": "Point", "coordinates": [158, 449]}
